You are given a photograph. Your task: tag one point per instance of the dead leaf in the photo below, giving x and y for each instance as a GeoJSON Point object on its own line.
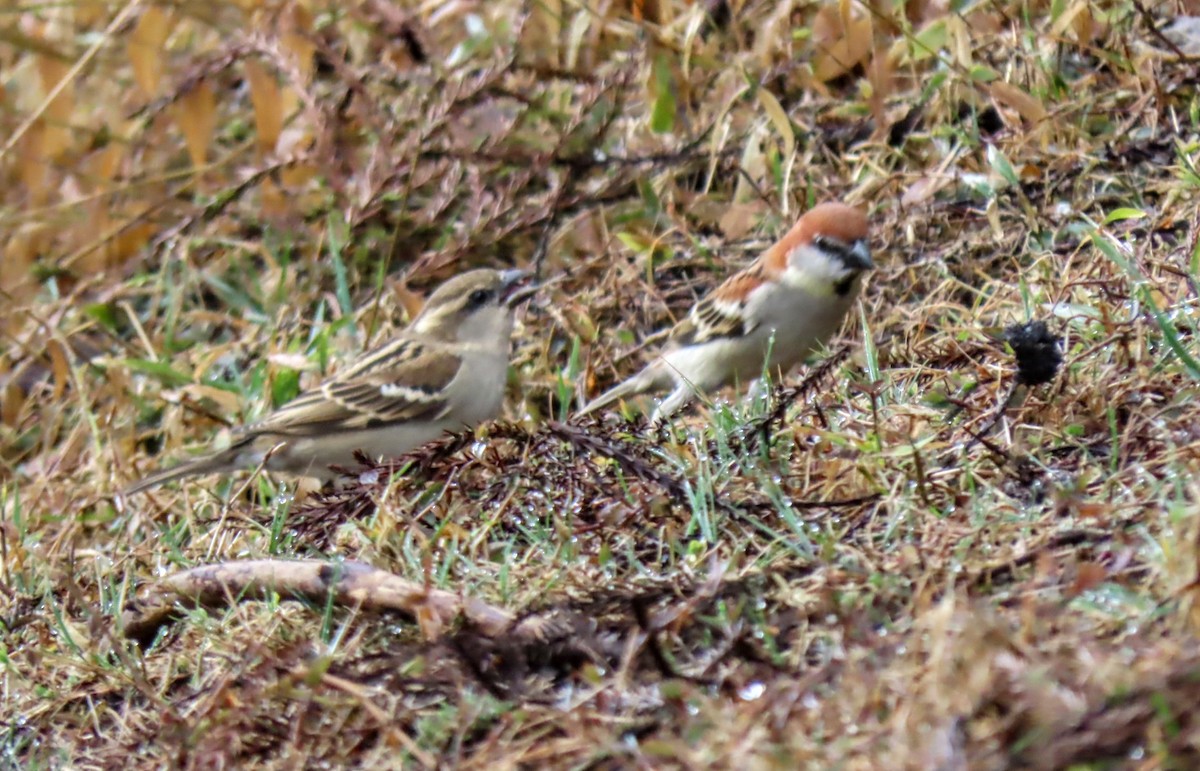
{"type": "Point", "coordinates": [90, 245]}
{"type": "Point", "coordinates": [33, 167]}
{"type": "Point", "coordinates": [10, 409]}
{"type": "Point", "coordinates": [227, 401]}
{"type": "Point", "coordinates": [409, 300]}
{"type": "Point", "coordinates": [879, 74]}
{"type": "Point", "coordinates": [295, 26]}
{"type": "Point", "coordinates": [780, 119]}
{"type": "Point", "coordinates": [274, 202]}
{"type": "Point", "coordinates": [923, 189]}
{"type": "Point", "coordinates": [740, 218]}
{"type": "Point", "coordinates": [196, 114]}
{"type": "Point", "coordinates": [1008, 95]}
{"type": "Point", "coordinates": [130, 238]}
{"type": "Point", "coordinates": [843, 42]}
{"type": "Point", "coordinates": [89, 13]}
{"type": "Point", "coordinates": [580, 324]}
{"type": "Point", "coordinates": [57, 137]}
{"type": "Point", "coordinates": [1088, 575]}
{"type": "Point", "coordinates": [267, 99]}
{"type": "Point", "coordinates": [59, 367]}
{"type": "Point", "coordinates": [145, 46]}
{"type": "Point", "coordinates": [754, 166]}
{"type": "Point", "coordinates": [774, 33]}
{"type": "Point", "coordinates": [1092, 510]}
{"type": "Point", "coordinates": [104, 164]}
{"type": "Point", "coordinates": [19, 256]}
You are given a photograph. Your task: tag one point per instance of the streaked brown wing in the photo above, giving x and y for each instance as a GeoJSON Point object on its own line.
{"type": "Point", "coordinates": [720, 314]}
{"type": "Point", "coordinates": [401, 380]}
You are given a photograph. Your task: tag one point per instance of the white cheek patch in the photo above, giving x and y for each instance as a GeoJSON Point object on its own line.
{"type": "Point", "coordinates": [814, 271]}
{"type": "Point", "coordinates": [818, 285]}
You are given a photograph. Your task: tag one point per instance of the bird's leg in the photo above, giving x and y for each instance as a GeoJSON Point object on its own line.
{"type": "Point", "coordinates": [683, 393]}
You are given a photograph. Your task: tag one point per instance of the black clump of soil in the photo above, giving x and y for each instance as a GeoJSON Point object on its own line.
{"type": "Point", "coordinates": [1037, 350]}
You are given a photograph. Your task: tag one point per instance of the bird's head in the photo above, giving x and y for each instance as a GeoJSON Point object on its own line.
{"type": "Point", "coordinates": [474, 307]}
{"type": "Point", "coordinates": [825, 251]}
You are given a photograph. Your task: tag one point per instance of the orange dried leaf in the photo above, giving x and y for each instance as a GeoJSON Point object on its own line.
{"type": "Point", "coordinates": [740, 218]}
{"type": "Point", "coordinates": [879, 73]}
{"type": "Point", "coordinates": [294, 30]}
{"type": "Point", "coordinates": [1044, 566]}
{"type": "Point", "coordinates": [104, 164]}
{"type": "Point", "coordinates": [846, 12]}
{"type": "Point", "coordinates": [196, 114]}
{"type": "Point", "coordinates": [10, 409]}
{"type": "Point", "coordinates": [145, 48]}
{"type": "Point", "coordinates": [429, 621]}
{"type": "Point", "coordinates": [132, 238]}
{"type": "Point", "coordinates": [226, 401]}
{"type": "Point", "coordinates": [59, 367]}
{"type": "Point", "coordinates": [1093, 510]}
{"type": "Point", "coordinates": [90, 245]}
{"type": "Point", "coordinates": [32, 165]}
{"type": "Point", "coordinates": [297, 175]}
{"type": "Point", "coordinates": [409, 300]}
{"type": "Point", "coordinates": [52, 71]}
{"type": "Point", "coordinates": [1008, 95]}
{"type": "Point", "coordinates": [19, 40]}
{"type": "Point", "coordinates": [1078, 18]}
{"type": "Point", "coordinates": [1086, 27]}
{"type": "Point", "coordinates": [1088, 575]}
{"type": "Point", "coordinates": [827, 26]}
{"type": "Point", "coordinates": [19, 254]}
{"type": "Point", "coordinates": [845, 53]}
{"type": "Point", "coordinates": [267, 98]}
{"type": "Point", "coordinates": [56, 141]}
{"type": "Point", "coordinates": [301, 50]}
{"type": "Point", "coordinates": [89, 13]}
{"type": "Point", "coordinates": [274, 202]}
{"type": "Point", "coordinates": [56, 137]}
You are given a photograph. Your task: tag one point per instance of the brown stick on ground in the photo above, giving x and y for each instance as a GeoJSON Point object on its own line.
{"type": "Point", "coordinates": [348, 583]}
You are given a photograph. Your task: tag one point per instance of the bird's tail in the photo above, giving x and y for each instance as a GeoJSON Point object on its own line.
{"type": "Point", "coordinates": [220, 461]}
{"type": "Point", "coordinates": [648, 379]}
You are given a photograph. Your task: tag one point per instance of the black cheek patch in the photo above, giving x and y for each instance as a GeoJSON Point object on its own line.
{"type": "Point", "coordinates": [843, 287]}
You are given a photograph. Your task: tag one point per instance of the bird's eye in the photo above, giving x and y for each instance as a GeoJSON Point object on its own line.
{"type": "Point", "coordinates": [478, 297]}
{"type": "Point", "coordinates": [821, 242]}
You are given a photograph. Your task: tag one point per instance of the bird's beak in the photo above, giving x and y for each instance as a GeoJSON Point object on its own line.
{"type": "Point", "coordinates": [859, 256]}
{"type": "Point", "coordinates": [515, 286]}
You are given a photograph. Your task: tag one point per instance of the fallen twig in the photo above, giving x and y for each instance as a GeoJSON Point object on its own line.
{"type": "Point", "coordinates": [344, 583]}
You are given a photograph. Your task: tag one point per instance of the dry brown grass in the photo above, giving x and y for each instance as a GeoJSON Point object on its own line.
{"type": "Point", "coordinates": [896, 565]}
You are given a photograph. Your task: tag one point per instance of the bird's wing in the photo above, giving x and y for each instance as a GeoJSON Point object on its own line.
{"type": "Point", "coordinates": [722, 313]}
{"type": "Point", "coordinates": [400, 381]}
